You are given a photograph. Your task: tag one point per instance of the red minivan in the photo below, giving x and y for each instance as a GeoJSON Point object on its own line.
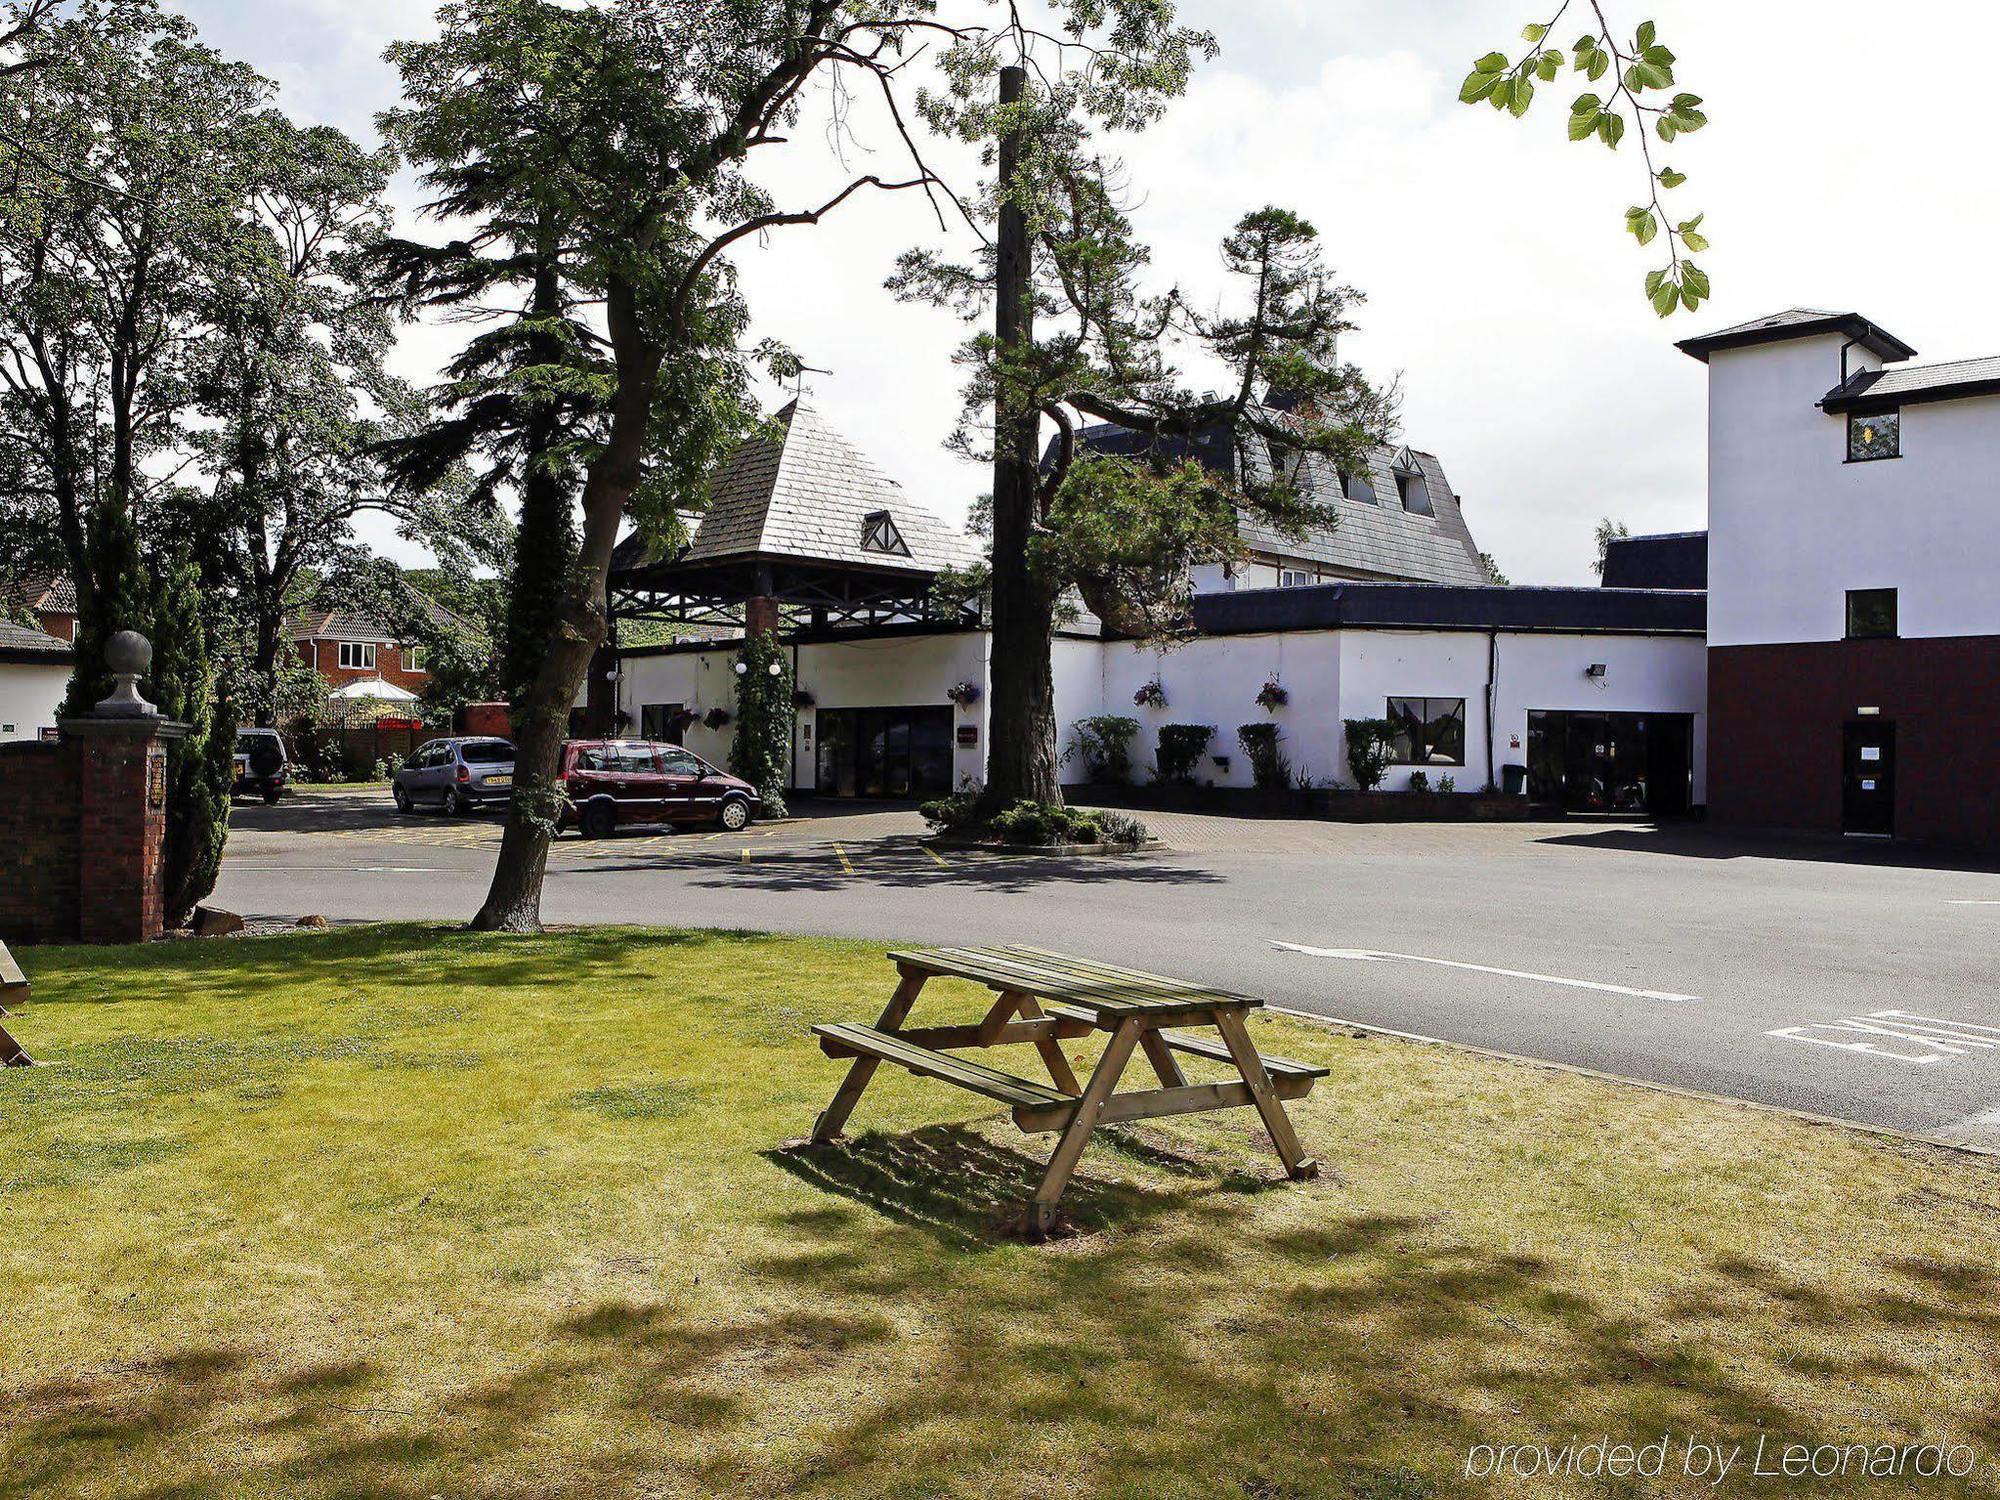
{"type": "Point", "coordinates": [610, 783]}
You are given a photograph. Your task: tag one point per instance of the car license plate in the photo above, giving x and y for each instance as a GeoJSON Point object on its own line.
{"type": "Point", "coordinates": [506, 780]}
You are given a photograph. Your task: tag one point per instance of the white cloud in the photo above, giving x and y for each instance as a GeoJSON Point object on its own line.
{"type": "Point", "coordinates": [1845, 167]}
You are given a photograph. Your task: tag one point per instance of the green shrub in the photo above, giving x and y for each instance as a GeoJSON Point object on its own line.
{"type": "Point", "coordinates": [1369, 743]}
{"type": "Point", "coordinates": [1100, 742]}
{"type": "Point", "coordinates": [1446, 786]}
{"type": "Point", "coordinates": [1419, 781]}
{"type": "Point", "coordinates": [1269, 769]}
{"type": "Point", "coordinates": [762, 749]}
{"type": "Point", "coordinates": [1180, 750]}
{"type": "Point", "coordinates": [1122, 828]}
{"type": "Point", "coordinates": [952, 814]}
{"type": "Point", "coordinates": [1040, 823]}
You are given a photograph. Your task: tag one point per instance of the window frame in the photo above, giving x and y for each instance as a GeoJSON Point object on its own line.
{"type": "Point", "coordinates": [1404, 479]}
{"type": "Point", "coordinates": [1420, 752]}
{"type": "Point", "coordinates": [413, 658]}
{"type": "Point", "coordinates": [1895, 416]}
{"type": "Point", "coordinates": [363, 653]}
{"type": "Point", "coordinates": [1894, 632]}
{"type": "Point", "coordinates": [1352, 478]}
{"type": "Point", "coordinates": [1295, 578]}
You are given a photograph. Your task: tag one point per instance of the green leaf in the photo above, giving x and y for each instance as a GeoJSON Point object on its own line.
{"type": "Point", "coordinates": [1600, 64]}
{"type": "Point", "coordinates": [1611, 128]}
{"type": "Point", "coordinates": [1549, 65]}
{"type": "Point", "coordinates": [1666, 127]}
{"type": "Point", "coordinates": [1582, 126]}
{"type": "Point", "coordinates": [1669, 178]}
{"type": "Point", "coordinates": [1665, 298]}
{"type": "Point", "coordinates": [1524, 95]}
{"type": "Point", "coordinates": [1477, 86]}
{"type": "Point", "coordinates": [1502, 96]}
{"type": "Point", "coordinates": [1696, 243]}
{"type": "Point", "coordinates": [1646, 75]}
{"type": "Point", "coordinates": [1660, 56]}
{"type": "Point", "coordinates": [1492, 62]}
{"type": "Point", "coordinates": [1533, 33]}
{"type": "Point", "coordinates": [1647, 32]}
{"type": "Point", "coordinates": [1586, 104]}
{"type": "Point", "coordinates": [1695, 277]}
{"type": "Point", "coordinates": [1690, 298]}
{"type": "Point", "coordinates": [1653, 280]}
{"type": "Point", "coordinates": [1642, 224]}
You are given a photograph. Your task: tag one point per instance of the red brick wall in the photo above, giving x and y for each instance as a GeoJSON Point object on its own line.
{"type": "Point", "coordinates": [389, 666]}
{"type": "Point", "coordinates": [81, 833]}
{"type": "Point", "coordinates": [1776, 716]}
{"type": "Point", "coordinates": [38, 842]}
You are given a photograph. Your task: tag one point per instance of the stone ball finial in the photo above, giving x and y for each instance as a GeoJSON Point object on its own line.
{"type": "Point", "coordinates": [128, 652]}
{"type": "Point", "coordinates": [129, 655]}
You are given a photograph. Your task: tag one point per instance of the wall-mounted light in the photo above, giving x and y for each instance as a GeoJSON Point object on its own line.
{"type": "Point", "coordinates": [742, 667]}
{"type": "Point", "coordinates": [776, 669]}
{"type": "Point", "coordinates": [1868, 713]}
{"type": "Point", "coordinates": [1595, 671]}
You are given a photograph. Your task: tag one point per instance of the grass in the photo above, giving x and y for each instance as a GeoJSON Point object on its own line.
{"type": "Point", "coordinates": [394, 1212]}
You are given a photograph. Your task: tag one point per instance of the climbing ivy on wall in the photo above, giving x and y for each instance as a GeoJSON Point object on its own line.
{"type": "Point", "coordinates": [762, 750]}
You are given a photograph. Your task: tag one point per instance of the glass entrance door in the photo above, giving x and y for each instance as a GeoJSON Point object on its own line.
{"type": "Point", "coordinates": [1641, 764]}
{"type": "Point", "coordinates": [884, 752]}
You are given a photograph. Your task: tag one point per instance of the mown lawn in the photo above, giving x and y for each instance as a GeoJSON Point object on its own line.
{"type": "Point", "coordinates": [399, 1212]}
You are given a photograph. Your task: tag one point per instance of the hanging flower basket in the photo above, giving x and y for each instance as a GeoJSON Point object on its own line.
{"type": "Point", "coordinates": [964, 694]}
{"type": "Point", "coordinates": [1271, 697]}
{"type": "Point", "coordinates": [715, 718]}
{"type": "Point", "coordinates": [1152, 695]}
{"type": "Point", "coordinates": [680, 719]}
{"type": "Point", "coordinates": [802, 699]}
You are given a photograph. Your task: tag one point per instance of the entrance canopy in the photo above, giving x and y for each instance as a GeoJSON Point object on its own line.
{"type": "Point", "coordinates": [802, 518]}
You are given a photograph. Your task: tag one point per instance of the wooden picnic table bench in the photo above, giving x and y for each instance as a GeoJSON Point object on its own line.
{"type": "Point", "coordinates": [1044, 999]}
{"type": "Point", "coordinates": [14, 988]}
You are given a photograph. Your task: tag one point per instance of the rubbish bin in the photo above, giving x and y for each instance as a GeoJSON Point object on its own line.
{"type": "Point", "coordinates": [1514, 780]}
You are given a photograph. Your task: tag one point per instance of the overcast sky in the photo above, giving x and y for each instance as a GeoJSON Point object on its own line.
{"type": "Point", "coordinates": [1846, 166]}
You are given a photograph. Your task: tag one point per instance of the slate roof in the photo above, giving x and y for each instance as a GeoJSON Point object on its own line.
{"type": "Point", "coordinates": [1910, 385]}
{"type": "Point", "coordinates": [1798, 323]}
{"type": "Point", "coordinates": [807, 495]}
{"type": "Point", "coordinates": [1665, 560]}
{"type": "Point", "coordinates": [20, 644]}
{"type": "Point", "coordinates": [1380, 540]}
{"type": "Point", "coordinates": [1424, 606]}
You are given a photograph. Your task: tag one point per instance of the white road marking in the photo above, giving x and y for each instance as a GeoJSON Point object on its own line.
{"type": "Point", "coordinates": [1369, 955]}
{"type": "Point", "coordinates": [1931, 1038]}
{"type": "Point", "coordinates": [1963, 902]}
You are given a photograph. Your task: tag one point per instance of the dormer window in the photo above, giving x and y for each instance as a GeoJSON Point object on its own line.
{"type": "Point", "coordinates": [1289, 468]}
{"type": "Point", "coordinates": [1357, 488]}
{"type": "Point", "coordinates": [879, 534]}
{"type": "Point", "coordinates": [1411, 486]}
{"type": "Point", "coordinates": [1874, 435]}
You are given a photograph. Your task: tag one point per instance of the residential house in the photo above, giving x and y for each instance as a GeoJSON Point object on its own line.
{"type": "Point", "coordinates": [358, 656]}
{"type": "Point", "coordinates": [1853, 553]}
{"type": "Point", "coordinates": [34, 679]}
{"type": "Point", "coordinates": [51, 599]}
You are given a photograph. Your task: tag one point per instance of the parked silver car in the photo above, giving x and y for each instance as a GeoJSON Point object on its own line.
{"type": "Point", "coordinates": [460, 775]}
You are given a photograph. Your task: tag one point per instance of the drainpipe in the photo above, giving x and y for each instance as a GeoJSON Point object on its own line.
{"type": "Point", "coordinates": [1492, 701]}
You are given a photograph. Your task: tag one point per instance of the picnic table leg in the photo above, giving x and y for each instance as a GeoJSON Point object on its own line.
{"type": "Point", "coordinates": [12, 1054]}
{"type": "Point", "coordinates": [1161, 1056]}
{"type": "Point", "coordinates": [1236, 1036]}
{"type": "Point", "coordinates": [1060, 1072]}
{"type": "Point", "coordinates": [833, 1118]}
{"type": "Point", "coordinates": [1110, 1067]}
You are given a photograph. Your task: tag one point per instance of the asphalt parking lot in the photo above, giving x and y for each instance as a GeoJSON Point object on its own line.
{"type": "Point", "coordinates": [1858, 983]}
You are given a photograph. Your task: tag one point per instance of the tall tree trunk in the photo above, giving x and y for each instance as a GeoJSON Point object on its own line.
{"type": "Point", "coordinates": [514, 901]}
{"type": "Point", "coordinates": [545, 540]}
{"type": "Point", "coordinates": [1021, 738]}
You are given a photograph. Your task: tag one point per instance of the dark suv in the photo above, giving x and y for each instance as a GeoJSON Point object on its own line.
{"type": "Point", "coordinates": [610, 783]}
{"type": "Point", "coordinates": [263, 765]}
{"type": "Point", "coordinates": [459, 775]}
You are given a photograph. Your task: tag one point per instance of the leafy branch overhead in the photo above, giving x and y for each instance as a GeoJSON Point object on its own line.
{"type": "Point", "coordinates": [1641, 90]}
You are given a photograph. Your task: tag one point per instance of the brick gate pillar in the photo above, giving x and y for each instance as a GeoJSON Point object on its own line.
{"type": "Point", "coordinates": [121, 825]}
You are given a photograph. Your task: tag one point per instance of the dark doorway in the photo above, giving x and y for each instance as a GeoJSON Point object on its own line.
{"type": "Point", "coordinates": [884, 752]}
{"type": "Point", "coordinates": [1636, 764]}
{"type": "Point", "coordinates": [1868, 778]}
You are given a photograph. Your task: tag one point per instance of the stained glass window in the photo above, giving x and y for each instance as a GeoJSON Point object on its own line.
{"type": "Point", "coordinates": [1876, 435]}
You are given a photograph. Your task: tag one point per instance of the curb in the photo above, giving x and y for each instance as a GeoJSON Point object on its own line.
{"type": "Point", "coordinates": [1840, 1122]}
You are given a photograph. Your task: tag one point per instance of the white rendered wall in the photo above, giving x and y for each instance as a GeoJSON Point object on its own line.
{"type": "Point", "coordinates": [1792, 527]}
{"type": "Point", "coordinates": [30, 694]}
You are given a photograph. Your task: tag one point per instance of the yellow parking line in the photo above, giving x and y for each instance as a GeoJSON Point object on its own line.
{"type": "Point", "coordinates": [844, 864]}
{"type": "Point", "coordinates": [746, 856]}
{"type": "Point", "coordinates": [942, 861]}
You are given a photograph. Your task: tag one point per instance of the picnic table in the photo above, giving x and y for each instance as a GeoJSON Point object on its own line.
{"type": "Point", "coordinates": [1044, 999]}
{"type": "Point", "coordinates": [13, 987]}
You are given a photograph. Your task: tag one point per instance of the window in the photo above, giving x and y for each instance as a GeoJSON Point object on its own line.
{"type": "Point", "coordinates": [357, 656]}
{"type": "Point", "coordinates": [1875, 435]}
{"type": "Point", "coordinates": [661, 722]}
{"type": "Point", "coordinates": [1357, 488]}
{"type": "Point", "coordinates": [1871, 614]}
{"type": "Point", "coordinates": [1290, 467]}
{"type": "Point", "coordinates": [1429, 731]}
{"type": "Point", "coordinates": [413, 658]}
{"type": "Point", "coordinates": [486, 752]}
{"type": "Point", "coordinates": [631, 760]}
{"type": "Point", "coordinates": [1291, 578]}
{"type": "Point", "coordinates": [1415, 493]}
{"type": "Point", "coordinates": [879, 534]}
{"type": "Point", "coordinates": [675, 761]}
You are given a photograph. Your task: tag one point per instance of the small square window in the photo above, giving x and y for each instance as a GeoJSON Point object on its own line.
{"type": "Point", "coordinates": [1292, 578]}
{"type": "Point", "coordinates": [1357, 488]}
{"type": "Point", "coordinates": [1874, 435]}
{"type": "Point", "coordinates": [1871, 614]}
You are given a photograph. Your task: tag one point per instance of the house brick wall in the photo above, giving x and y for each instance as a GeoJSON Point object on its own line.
{"type": "Point", "coordinates": [391, 666]}
{"type": "Point", "coordinates": [83, 829]}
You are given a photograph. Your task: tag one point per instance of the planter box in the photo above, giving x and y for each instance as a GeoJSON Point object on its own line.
{"type": "Point", "coordinates": [1339, 806]}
